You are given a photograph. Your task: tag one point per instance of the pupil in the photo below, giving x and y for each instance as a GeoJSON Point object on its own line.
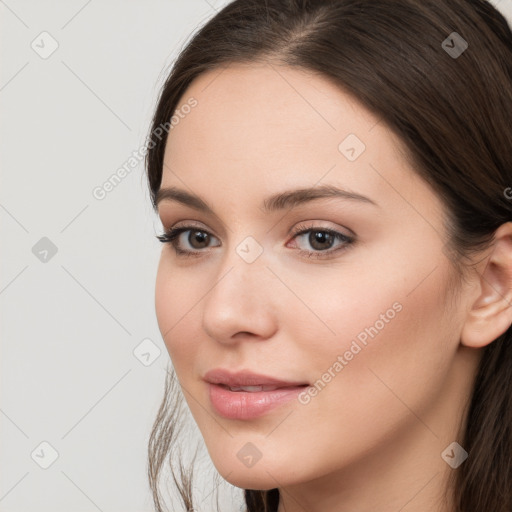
{"type": "Point", "coordinates": [199, 236]}
{"type": "Point", "coordinates": [319, 236]}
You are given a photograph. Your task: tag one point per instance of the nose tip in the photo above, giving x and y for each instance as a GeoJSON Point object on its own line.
{"type": "Point", "coordinates": [239, 306]}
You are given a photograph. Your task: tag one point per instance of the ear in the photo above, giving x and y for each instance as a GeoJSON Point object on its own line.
{"type": "Point", "coordinates": [491, 314]}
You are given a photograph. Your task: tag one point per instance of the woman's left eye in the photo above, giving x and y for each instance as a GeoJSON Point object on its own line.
{"type": "Point", "coordinates": [318, 238]}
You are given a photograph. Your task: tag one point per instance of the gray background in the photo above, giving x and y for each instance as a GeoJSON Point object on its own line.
{"type": "Point", "coordinates": [72, 320]}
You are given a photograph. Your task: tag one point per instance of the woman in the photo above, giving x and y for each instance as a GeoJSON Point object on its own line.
{"type": "Point", "coordinates": [335, 283]}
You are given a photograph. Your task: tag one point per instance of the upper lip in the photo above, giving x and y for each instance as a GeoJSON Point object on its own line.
{"type": "Point", "coordinates": [246, 378]}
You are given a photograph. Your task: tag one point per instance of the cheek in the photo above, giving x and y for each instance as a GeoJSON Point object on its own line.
{"type": "Point", "coordinates": [174, 308]}
{"type": "Point", "coordinates": [392, 345]}
{"type": "Point", "coordinates": [401, 366]}
{"type": "Point", "coordinates": [380, 301]}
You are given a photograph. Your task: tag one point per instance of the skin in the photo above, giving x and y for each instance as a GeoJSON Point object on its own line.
{"type": "Point", "coordinates": [372, 438]}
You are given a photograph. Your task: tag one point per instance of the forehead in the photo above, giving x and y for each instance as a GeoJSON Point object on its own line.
{"type": "Point", "coordinates": [261, 101]}
{"type": "Point", "coordinates": [257, 127]}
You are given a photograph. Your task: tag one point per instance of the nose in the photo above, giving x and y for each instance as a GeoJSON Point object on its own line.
{"type": "Point", "coordinates": [240, 304]}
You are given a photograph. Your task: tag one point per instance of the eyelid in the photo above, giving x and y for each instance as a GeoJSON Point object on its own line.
{"type": "Point", "coordinates": [292, 231]}
{"type": "Point", "coordinates": [317, 226]}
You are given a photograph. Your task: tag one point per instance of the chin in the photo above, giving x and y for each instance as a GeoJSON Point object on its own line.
{"type": "Point", "coordinates": [264, 475]}
{"type": "Point", "coordinates": [247, 479]}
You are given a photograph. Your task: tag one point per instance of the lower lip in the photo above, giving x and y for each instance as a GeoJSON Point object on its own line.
{"type": "Point", "coordinates": [245, 405]}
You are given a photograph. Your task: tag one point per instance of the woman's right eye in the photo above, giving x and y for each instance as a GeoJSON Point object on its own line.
{"type": "Point", "coordinates": [173, 235]}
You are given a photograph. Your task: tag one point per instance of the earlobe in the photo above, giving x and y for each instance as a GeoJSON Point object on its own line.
{"type": "Point", "coordinates": [491, 314]}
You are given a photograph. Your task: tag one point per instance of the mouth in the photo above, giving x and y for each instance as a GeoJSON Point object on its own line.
{"type": "Point", "coordinates": [255, 389]}
{"type": "Point", "coordinates": [246, 395]}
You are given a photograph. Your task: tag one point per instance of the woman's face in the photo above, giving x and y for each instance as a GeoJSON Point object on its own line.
{"type": "Point", "coordinates": [365, 316]}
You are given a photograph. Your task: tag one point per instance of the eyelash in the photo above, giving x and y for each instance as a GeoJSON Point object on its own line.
{"type": "Point", "coordinates": [172, 234]}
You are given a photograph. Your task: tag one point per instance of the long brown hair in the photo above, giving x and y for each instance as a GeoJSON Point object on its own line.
{"type": "Point", "coordinates": [450, 104]}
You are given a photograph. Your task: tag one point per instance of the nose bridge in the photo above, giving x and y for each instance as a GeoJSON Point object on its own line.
{"type": "Point", "coordinates": [243, 268]}
{"type": "Point", "coordinates": [238, 299]}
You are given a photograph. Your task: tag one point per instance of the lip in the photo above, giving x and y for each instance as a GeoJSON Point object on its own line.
{"type": "Point", "coordinates": [246, 378]}
{"type": "Point", "coordinates": [246, 405]}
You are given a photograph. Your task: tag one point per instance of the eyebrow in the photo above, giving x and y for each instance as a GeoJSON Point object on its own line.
{"type": "Point", "coordinates": [279, 201]}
